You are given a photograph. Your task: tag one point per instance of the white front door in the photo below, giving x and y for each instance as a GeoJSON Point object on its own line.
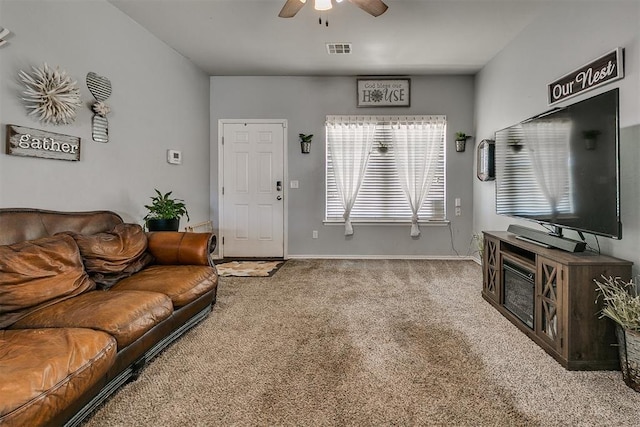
{"type": "Point", "coordinates": [252, 223]}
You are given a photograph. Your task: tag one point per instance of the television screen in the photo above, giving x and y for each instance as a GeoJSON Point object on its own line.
{"type": "Point", "coordinates": [561, 168]}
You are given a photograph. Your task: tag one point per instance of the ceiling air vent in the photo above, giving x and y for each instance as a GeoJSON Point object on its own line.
{"type": "Point", "coordinates": [338, 48]}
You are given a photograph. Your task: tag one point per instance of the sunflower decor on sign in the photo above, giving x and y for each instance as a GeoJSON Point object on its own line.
{"type": "Point", "coordinates": [51, 95]}
{"type": "Point", "coordinates": [387, 92]}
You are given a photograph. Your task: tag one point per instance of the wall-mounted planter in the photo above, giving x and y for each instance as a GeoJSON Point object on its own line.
{"type": "Point", "coordinates": [305, 142]}
{"type": "Point", "coordinates": [461, 141]}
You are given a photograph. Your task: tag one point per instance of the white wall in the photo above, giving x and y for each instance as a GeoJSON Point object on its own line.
{"type": "Point", "coordinates": [160, 100]}
{"type": "Point", "coordinates": [512, 87]}
{"type": "Point", "coordinates": [305, 102]}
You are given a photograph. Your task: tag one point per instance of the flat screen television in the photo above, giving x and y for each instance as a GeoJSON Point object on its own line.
{"type": "Point", "coordinates": [561, 168]}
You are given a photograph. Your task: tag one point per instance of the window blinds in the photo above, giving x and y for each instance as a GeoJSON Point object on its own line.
{"type": "Point", "coordinates": [381, 197]}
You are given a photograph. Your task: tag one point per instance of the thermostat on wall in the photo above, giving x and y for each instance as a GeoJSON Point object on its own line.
{"type": "Point", "coordinates": [174, 157]}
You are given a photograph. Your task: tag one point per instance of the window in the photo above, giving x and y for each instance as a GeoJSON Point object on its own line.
{"type": "Point", "coordinates": [381, 196]}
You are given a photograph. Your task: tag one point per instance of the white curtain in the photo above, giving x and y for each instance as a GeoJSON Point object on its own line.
{"type": "Point", "coordinates": [416, 144]}
{"type": "Point", "coordinates": [548, 146]}
{"type": "Point", "coordinates": [349, 142]}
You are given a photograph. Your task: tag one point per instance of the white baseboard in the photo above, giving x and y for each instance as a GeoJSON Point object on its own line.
{"type": "Point", "coordinates": [374, 257]}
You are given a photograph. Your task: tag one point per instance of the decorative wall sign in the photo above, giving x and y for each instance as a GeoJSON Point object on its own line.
{"type": "Point", "coordinates": [100, 88]}
{"type": "Point", "coordinates": [22, 141]}
{"type": "Point", "coordinates": [605, 69]}
{"type": "Point", "coordinates": [51, 95]}
{"type": "Point", "coordinates": [387, 92]}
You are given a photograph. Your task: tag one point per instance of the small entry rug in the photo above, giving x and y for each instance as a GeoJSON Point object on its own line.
{"type": "Point", "coordinates": [251, 268]}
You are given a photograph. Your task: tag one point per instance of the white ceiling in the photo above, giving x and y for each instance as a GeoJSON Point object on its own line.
{"type": "Point", "coordinates": [414, 37]}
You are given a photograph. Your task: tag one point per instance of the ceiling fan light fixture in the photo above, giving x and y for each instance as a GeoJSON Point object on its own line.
{"type": "Point", "coordinates": [323, 5]}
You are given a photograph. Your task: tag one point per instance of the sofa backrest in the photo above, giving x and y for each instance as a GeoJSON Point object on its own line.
{"type": "Point", "coordinates": [19, 224]}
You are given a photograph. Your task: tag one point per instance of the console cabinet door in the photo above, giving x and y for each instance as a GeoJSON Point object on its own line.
{"type": "Point", "coordinates": [549, 305]}
{"type": "Point", "coordinates": [491, 268]}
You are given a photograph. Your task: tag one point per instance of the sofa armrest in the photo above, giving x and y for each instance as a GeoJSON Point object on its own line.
{"type": "Point", "coordinates": [181, 248]}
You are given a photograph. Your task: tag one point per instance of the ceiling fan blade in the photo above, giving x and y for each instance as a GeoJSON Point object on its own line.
{"type": "Point", "coordinates": [372, 7]}
{"type": "Point", "coordinates": [290, 8]}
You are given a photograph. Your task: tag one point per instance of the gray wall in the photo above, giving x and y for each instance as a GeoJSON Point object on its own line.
{"type": "Point", "coordinates": [512, 87]}
{"type": "Point", "coordinates": [160, 100]}
{"type": "Point", "coordinates": [305, 102]}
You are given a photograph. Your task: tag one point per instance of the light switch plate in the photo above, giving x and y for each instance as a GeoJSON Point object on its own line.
{"type": "Point", "coordinates": [174, 157]}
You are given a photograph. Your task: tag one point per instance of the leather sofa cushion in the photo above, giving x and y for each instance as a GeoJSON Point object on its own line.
{"type": "Point", "coordinates": [42, 370]}
{"type": "Point", "coordinates": [37, 273]}
{"type": "Point", "coordinates": [112, 255]}
{"type": "Point", "coordinates": [182, 283]}
{"type": "Point", "coordinates": [126, 315]}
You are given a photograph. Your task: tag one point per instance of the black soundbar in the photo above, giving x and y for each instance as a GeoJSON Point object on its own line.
{"type": "Point", "coordinates": [545, 238]}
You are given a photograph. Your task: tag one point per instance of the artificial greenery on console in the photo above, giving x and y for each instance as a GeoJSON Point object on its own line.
{"type": "Point", "coordinates": [165, 207]}
{"type": "Point", "coordinates": [621, 302]}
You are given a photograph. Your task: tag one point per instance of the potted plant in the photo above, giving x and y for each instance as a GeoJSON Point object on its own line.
{"type": "Point", "coordinates": [165, 212]}
{"type": "Point", "coordinates": [461, 140]}
{"type": "Point", "coordinates": [621, 303]}
{"type": "Point", "coordinates": [515, 144]}
{"type": "Point", "coordinates": [382, 147]}
{"type": "Point", "coordinates": [305, 142]}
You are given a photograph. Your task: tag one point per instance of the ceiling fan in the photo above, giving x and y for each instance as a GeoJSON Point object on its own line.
{"type": "Point", "coordinates": [372, 7]}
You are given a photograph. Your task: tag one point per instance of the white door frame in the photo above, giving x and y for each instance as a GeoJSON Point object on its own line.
{"type": "Point", "coordinates": [285, 184]}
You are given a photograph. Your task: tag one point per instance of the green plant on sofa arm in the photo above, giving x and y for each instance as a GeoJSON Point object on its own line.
{"type": "Point", "coordinates": [164, 208]}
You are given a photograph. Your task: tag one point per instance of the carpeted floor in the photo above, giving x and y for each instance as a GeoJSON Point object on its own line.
{"type": "Point", "coordinates": [363, 343]}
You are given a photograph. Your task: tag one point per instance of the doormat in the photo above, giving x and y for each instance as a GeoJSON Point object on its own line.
{"type": "Point", "coordinates": [248, 268]}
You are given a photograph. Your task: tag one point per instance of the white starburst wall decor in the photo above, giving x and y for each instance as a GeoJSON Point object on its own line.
{"type": "Point", "coordinates": [51, 95]}
{"type": "Point", "coordinates": [4, 32]}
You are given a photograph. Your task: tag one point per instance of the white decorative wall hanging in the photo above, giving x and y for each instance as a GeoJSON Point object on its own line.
{"type": "Point", "coordinates": [3, 33]}
{"type": "Point", "coordinates": [51, 95]}
{"type": "Point", "coordinates": [100, 88]}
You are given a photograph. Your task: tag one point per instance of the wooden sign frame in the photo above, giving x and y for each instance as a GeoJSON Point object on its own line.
{"type": "Point", "coordinates": [27, 142]}
{"type": "Point", "coordinates": [384, 92]}
{"type": "Point", "coordinates": [605, 69]}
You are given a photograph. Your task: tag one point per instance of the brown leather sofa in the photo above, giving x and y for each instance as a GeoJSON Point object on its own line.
{"type": "Point", "coordinates": [85, 302]}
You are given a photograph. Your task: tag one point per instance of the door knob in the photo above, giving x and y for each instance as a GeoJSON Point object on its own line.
{"type": "Point", "coordinates": [279, 197]}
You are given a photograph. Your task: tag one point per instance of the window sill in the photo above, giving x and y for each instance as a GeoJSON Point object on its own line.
{"type": "Point", "coordinates": [441, 223]}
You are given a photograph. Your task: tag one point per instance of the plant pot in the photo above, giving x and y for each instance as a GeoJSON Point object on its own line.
{"type": "Point", "coordinates": [590, 143]}
{"type": "Point", "coordinates": [306, 147]}
{"type": "Point", "coordinates": [460, 145]}
{"type": "Point", "coordinates": [629, 350]}
{"type": "Point", "coordinates": [163, 224]}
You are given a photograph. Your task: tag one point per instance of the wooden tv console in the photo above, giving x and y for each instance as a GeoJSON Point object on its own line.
{"type": "Point", "coordinates": [566, 322]}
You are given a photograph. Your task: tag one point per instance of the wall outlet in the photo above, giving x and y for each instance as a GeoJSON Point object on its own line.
{"type": "Point", "coordinates": [458, 211]}
{"type": "Point", "coordinates": [315, 234]}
